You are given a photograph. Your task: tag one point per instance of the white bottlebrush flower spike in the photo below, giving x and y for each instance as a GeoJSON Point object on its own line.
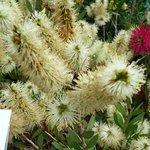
{"type": "Point", "coordinates": [18, 125]}
{"type": "Point", "coordinates": [28, 50]}
{"type": "Point", "coordinates": [141, 143]}
{"type": "Point", "coordinates": [48, 33]}
{"type": "Point", "coordinates": [64, 16]}
{"type": "Point", "coordinates": [21, 36]}
{"type": "Point", "coordinates": [30, 33]}
{"type": "Point", "coordinates": [121, 78]}
{"type": "Point", "coordinates": [99, 53]}
{"type": "Point", "coordinates": [62, 113]}
{"type": "Point", "coordinates": [111, 109]}
{"type": "Point", "coordinates": [144, 127]}
{"type": "Point", "coordinates": [99, 11]}
{"type": "Point", "coordinates": [7, 17]}
{"type": "Point", "coordinates": [11, 41]}
{"type": "Point", "coordinates": [102, 20]}
{"type": "Point", "coordinates": [16, 98]}
{"type": "Point", "coordinates": [110, 135]}
{"type": "Point", "coordinates": [120, 44]}
{"type": "Point", "coordinates": [77, 53]}
{"type": "Point", "coordinates": [97, 127]}
{"type": "Point", "coordinates": [6, 63]}
{"type": "Point", "coordinates": [86, 32]}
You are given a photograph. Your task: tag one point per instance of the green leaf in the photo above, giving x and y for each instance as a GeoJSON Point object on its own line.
{"type": "Point", "coordinates": [137, 119]}
{"type": "Point", "coordinates": [29, 6]}
{"type": "Point", "coordinates": [128, 101]}
{"type": "Point", "coordinates": [19, 145]}
{"type": "Point", "coordinates": [46, 137]}
{"type": "Point", "coordinates": [131, 129]}
{"type": "Point", "coordinates": [73, 140]}
{"type": "Point", "coordinates": [92, 142]}
{"type": "Point", "coordinates": [76, 146]}
{"type": "Point", "coordinates": [119, 120]}
{"type": "Point", "coordinates": [40, 141]}
{"type": "Point", "coordinates": [82, 15]}
{"type": "Point", "coordinates": [93, 148]}
{"type": "Point", "coordinates": [68, 148]}
{"type": "Point", "coordinates": [52, 148]}
{"type": "Point", "coordinates": [134, 136]}
{"type": "Point", "coordinates": [57, 145]}
{"type": "Point", "coordinates": [121, 109]}
{"type": "Point", "coordinates": [59, 136]}
{"type": "Point", "coordinates": [38, 5]}
{"type": "Point", "coordinates": [91, 123]}
{"type": "Point", "coordinates": [36, 133]}
{"type": "Point", "coordinates": [1, 77]}
{"type": "Point", "coordinates": [74, 136]}
{"type": "Point", "coordinates": [49, 127]}
{"type": "Point", "coordinates": [137, 110]}
{"type": "Point", "coordinates": [88, 134]}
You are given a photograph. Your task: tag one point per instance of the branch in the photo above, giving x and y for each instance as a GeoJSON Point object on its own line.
{"type": "Point", "coordinates": [52, 137]}
{"type": "Point", "coordinates": [31, 142]}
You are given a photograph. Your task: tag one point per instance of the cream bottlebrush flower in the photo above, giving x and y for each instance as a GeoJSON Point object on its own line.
{"type": "Point", "coordinates": [120, 44]}
{"type": "Point", "coordinates": [28, 51]}
{"type": "Point", "coordinates": [97, 8]}
{"type": "Point", "coordinates": [4, 94]}
{"type": "Point", "coordinates": [85, 32]}
{"type": "Point", "coordinates": [41, 99]}
{"type": "Point", "coordinates": [97, 128]}
{"type": "Point", "coordinates": [30, 33]}
{"type": "Point", "coordinates": [69, 3]}
{"type": "Point", "coordinates": [33, 90]}
{"type": "Point", "coordinates": [89, 97]}
{"type": "Point", "coordinates": [17, 125]}
{"type": "Point", "coordinates": [99, 11]}
{"type": "Point", "coordinates": [110, 135]}
{"type": "Point", "coordinates": [142, 143]}
{"type": "Point", "coordinates": [53, 41]}
{"type": "Point", "coordinates": [121, 41]}
{"type": "Point", "coordinates": [148, 17]}
{"type": "Point", "coordinates": [144, 127]}
{"type": "Point", "coordinates": [98, 53]}
{"type": "Point", "coordinates": [18, 13]}
{"type": "Point", "coordinates": [62, 113]}
{"type": "Point", "coordinates": [6, 63]}
{"type": "Point", "coordinates": [11, 41]}
{"type": "Point", "coordinates": [16, 97]}
{"type": "Point", "coordinates": [7, 17]}
{"type": "Point", "coordinates": [122, 79]}
{"type": "Point", "coordinates": [64, 17]}
{"type": "Point", "coordinates": [111, 109]}
{"type": "Point", "coordinates": [102, 20]}
{"type": "Point", "coordinates": [44, 68]}
{"type": "Point", "coordinates": [77, 54]}
{"type": "Point", "coordinates": [23, 36]}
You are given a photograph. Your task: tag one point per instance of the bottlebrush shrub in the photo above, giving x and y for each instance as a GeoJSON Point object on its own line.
{"type": "Point", "coordinates": [75, 74]}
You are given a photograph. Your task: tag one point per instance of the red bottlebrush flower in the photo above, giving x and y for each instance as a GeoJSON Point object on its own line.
{"type": "Point", "coordinates": [140, 39]}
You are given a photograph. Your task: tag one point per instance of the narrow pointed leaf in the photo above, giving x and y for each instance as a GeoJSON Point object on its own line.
{"type": "Point", "coordinates": [92, 142]}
